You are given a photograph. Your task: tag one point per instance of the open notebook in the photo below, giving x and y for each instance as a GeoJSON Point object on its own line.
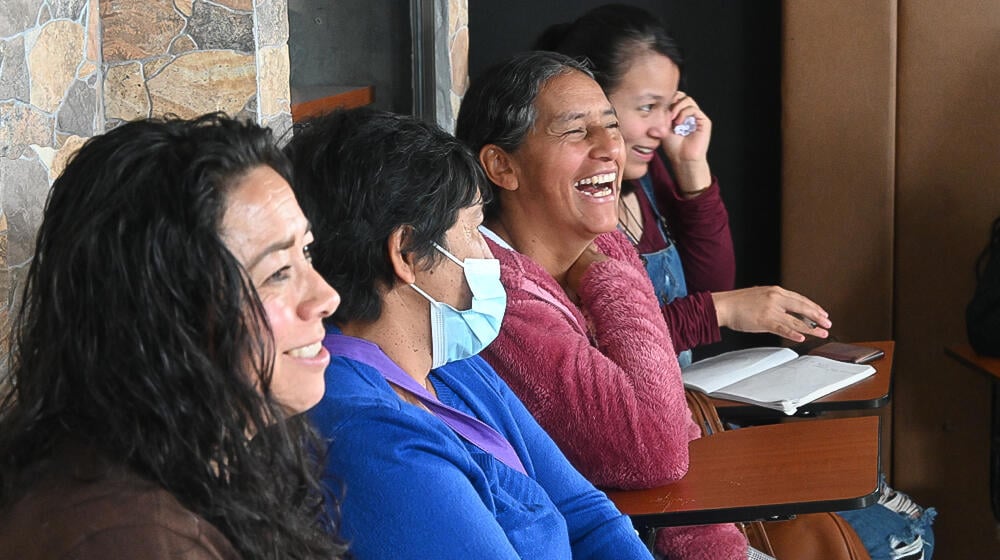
{"type": "Point", "coordinates": [775, 378]}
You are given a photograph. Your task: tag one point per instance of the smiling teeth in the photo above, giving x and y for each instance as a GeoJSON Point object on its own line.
{"type": "Point", "coordinates": [606, 191]}
{"type": "Point", "coordinates": [306, 351]}
{"type": "Point", "coordinates": [596, 179]}
{"type": "Point", "coordinates": [644, 150]}
{"type": "Point", "coordinates": [598, 186]}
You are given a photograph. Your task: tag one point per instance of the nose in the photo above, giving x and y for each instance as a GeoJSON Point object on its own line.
{"type": "Point", "coordinates": [608, 144]}
{"type": "Point", "coordinates": [659, 124]}
{"type": "Point", "coordinates": [321, 300]}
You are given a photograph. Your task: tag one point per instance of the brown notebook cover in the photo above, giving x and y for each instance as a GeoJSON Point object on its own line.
{"type": "Point", "coordinates": [845, 352]}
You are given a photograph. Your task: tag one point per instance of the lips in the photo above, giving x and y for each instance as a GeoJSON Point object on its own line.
{"type": "Point", "coordinates": [306, 352]}
{"type": "Point", "coordinates": [643, 152]}
{"type": "Point", "coordinates": [597, 186]}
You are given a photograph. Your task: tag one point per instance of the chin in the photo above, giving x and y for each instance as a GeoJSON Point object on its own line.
{"type": "Point", "coordinates": [604, 226]}
{"type": "Point", "coordinates": [302, 391]}
{"type": "Point", "coordinates": [635, 171]}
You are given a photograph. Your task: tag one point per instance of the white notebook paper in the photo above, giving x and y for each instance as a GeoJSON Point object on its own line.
{"type": "Point", "coordinates": [776, 378]}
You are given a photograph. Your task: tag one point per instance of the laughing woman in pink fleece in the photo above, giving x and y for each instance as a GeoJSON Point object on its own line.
{"type": "Point", "coordinates": [584, 343]}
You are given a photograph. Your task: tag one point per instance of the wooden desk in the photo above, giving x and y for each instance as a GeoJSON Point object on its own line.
{"type": "Point", "coordinates": [983, 364]}
{"type": "Point", "coordinates": [991, 368]}
{"type": "Point", "coordinates": [766, 472]}
{"type": "Point", "coordinates": [872, 392]}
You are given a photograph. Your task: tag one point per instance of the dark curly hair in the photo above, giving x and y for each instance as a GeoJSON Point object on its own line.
{"type": "Point", "coordinates": [140, 335]}
{"type": "Point", "coordinates": [361, 175]}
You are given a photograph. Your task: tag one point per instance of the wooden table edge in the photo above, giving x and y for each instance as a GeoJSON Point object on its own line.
{"type": "Point", "coordinates": [768, 511]}
{"type": "Point", "coordinates": [964, 354]}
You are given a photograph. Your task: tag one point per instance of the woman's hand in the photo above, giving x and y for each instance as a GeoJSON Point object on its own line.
{"type": "Point", "coordinates": [575, 273]}
{"type": "Point", "coordinates": [771, 309]}
{"type": "Point", "coordinates": [689, 154]}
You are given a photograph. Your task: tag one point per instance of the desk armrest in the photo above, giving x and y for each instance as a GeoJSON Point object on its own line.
{"type": "Point", "coordinates": [766, 472]}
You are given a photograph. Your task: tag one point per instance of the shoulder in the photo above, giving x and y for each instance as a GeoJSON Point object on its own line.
{"type": "Point", "coordinates": [476, 382]}
{"type": "Point", "coordinates": [513, 265]}
{"type": "Point", "coordinates": [349, 379]}
{"type": "Point", "coordinates": [355, 394]}
{"type": "Point", "coordinates": [116, 514]}
{"type": "Point", "coordinates": [360, 407]}
{"type": "Point", "coordinates": [524, 279]}
{"type": "Point", "coordinates": [472, 373]}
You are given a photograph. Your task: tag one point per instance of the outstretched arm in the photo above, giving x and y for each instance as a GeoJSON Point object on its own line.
{"type": "Point", "coordinates": [772, 309]}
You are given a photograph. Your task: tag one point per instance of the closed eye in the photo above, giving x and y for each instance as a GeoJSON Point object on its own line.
{"type": "Point", "coordinates": [280, 275]}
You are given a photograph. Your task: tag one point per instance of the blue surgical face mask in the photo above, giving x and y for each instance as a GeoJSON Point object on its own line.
{"type": "Point", "coordinates": [456, 335]}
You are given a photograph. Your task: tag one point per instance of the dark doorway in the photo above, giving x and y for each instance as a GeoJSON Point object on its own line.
{"type": "Point", "coordinates": [352, 43]}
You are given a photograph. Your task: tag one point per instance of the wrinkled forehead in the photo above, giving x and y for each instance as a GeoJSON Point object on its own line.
{"type": "Point", "coordinates": [570, 97]}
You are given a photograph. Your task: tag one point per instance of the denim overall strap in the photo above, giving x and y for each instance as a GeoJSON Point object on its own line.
{"type": "Point", "coordinates": [664, 266]}
{"type": "Point", "coordinates": [667, 273]}
{"type": "Point", "coordinates": [471, 429]}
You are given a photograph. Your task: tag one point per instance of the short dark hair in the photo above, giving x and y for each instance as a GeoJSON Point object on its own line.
{"type": "Point", "coordinates": [142, 336]}
{"type": "Point", "coordinates": [499, 107]}
{"type": "Point", "coordinates": [362, 174]}
{"type": "Point", "coordinates": [610, 36]}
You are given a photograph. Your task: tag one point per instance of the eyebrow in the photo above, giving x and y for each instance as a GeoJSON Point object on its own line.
{"type": "Point", "coordinates": [282, 245]}
{"type": "Point", "coordinates": [568, 116]}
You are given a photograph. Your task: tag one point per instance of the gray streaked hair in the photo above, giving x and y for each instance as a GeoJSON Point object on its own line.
{"type": "Point", "coordinates": [499, 107]}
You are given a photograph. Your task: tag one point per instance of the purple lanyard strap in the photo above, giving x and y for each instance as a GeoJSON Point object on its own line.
{"type": "Point", "coordinates": [471, 429]}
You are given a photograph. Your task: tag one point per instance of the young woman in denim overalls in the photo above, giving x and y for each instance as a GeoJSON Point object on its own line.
{"type": "Point", "coordinates": [667, 135]}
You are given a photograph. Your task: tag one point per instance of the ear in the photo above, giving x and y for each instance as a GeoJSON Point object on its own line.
{"type": "Point", "coordinates": [403, 262]}
{"type": "Point", "coordinates": [499, 166]}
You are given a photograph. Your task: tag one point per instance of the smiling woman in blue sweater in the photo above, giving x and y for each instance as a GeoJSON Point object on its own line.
{"type": "Point", "coordinates": [435, 457]}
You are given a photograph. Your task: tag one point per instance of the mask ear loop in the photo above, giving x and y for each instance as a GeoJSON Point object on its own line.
{"type": "Point", "coordinates": [449, 255]}
{"type": "Point", "coordinates": [423, 293]}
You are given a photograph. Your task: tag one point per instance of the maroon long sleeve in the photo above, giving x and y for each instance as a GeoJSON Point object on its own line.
{"type": "Point", "coordinates": [700, 227]}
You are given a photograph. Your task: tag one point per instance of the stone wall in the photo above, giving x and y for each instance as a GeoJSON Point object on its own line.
{"type": "Point", "coordinates": [189, 57]}
{"type": "Point", "coordinates": [50, 101]}
{"type": "Point", "coordinates": [70, 69]}
{"type": "Point", "coordinates": [452, 58]}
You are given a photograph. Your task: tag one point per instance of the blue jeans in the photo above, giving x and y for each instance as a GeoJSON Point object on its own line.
{"type": "Point", "coordinates": [885, 533]}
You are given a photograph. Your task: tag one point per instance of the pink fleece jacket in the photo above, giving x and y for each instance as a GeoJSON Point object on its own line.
{"type": "Point", "coordinates": [603, 380]}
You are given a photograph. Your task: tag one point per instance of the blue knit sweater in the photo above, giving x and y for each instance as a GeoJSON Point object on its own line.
{"type": "Point", "coordinates": [411, 488]}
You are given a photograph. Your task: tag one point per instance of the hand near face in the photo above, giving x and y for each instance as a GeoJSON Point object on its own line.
{"type": "Point", "coordinates": [693, 147]}
{"type": "Point", "coordinates": [771, 309]}
{"type": "Point", "coordinates": [590, 256]}
{"type": "Point", "coordinates": [688, 154]}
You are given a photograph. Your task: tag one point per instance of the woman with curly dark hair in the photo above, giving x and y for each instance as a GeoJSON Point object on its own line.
{"type": "Point", "coordinates": [170, 331]}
